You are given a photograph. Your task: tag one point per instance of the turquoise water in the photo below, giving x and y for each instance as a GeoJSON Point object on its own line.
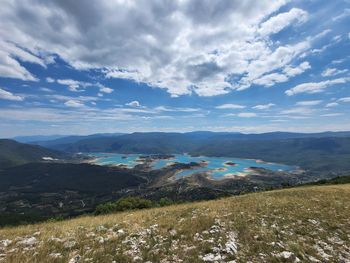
{"type": "Point", "coordinates": [215, 166]}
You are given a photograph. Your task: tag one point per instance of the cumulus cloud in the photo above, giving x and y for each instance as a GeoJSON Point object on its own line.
{"type": "Point", "coordinates": [298, 111]}
{"type": "Point", "coordinates": [344, 14]}
{"type": "Point", "coordinates": [50, 80]}
{"type": "Point", "coordinates": [242, 115]}
{"type": "Point", "coordinates": [203, 47]}
{"type": "Point", "coordinates": [230, 106]}
{"type": "Point", "coordinates": [315, 87]}
{"type": "Point", "coordinates": [264, 106]}
{"type": "Point", "coordinates": [79, 86]}
{"type": "Point", "coordinates": [332, 114]}
{"type": "Point", "coordinates": [74, 104]}
{"type": "Point", "coordinates": [175, 109]}
{"type": "Point", "coordinates": [287, 72]}
{"type": "Point", "coordinates": [332, 104]}
{"type": "Point", "coordinates": [133, 103]}
{"type": "Point", "coordinates": [246, 114]}
{"type": "Point", "coordinates": [6, 95]}
{"type": "Point", "coordinates": [293, 71]}
{"type": "Point", "coordinates": [309, 103]}
{"type": "Point", "coordinates": [73, 85]}
{"type": "Point", "coordinates": [282, 20]}
{"type": "Point", "coordinates": [105, 89]}
{"type": "Point", "coordinates": [10, 55]}
{"type": "Point", "coordinates": [332, 72]}
{"type": "Point", "coordinates": [345, 99]}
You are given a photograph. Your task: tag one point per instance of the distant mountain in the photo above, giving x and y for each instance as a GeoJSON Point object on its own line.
{"type": "Point", "coordinates": [14, 153]}
{"type": "Point", "coordinates": [160, 142]}
{"type": "Point", "coordinates": [37, 138]}
{"type": "Point", "coordinates": [64, 140]}
{"type": "Point", "coordinates": [322, 152]}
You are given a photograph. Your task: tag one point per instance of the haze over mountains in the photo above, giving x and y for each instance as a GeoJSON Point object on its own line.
{"type": "Point", "coordinates": [320, 152]}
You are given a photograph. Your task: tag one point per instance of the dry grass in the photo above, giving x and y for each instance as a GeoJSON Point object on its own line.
{"type": "Point", "coordinates": [310, 224]}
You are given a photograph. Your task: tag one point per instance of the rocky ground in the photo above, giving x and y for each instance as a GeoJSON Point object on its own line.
{"type": "Point", "coordinates": [309, 224]}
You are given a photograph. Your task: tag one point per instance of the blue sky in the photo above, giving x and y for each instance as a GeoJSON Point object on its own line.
{"type": "Point", "coordinates": [67, 67]}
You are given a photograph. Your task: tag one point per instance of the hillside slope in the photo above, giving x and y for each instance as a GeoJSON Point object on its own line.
{"type": "Point", "coordinates": [306, 224]}
{"type": "Point", "coordinates": [14, 153]}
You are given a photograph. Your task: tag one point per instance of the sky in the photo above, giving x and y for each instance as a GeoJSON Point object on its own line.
{"type": "Point", "coordinates": [84, 67]}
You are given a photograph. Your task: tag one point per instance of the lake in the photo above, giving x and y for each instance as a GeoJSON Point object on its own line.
{"type": "Point", "coordinates": [217, 167]}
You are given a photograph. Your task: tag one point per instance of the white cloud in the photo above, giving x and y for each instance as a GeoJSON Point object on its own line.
{"type": "Point", "coordinates": [332, 104]}
{"type": "Point", "coordinates": [6, 95]}
{"type": "Point", "coordinates": [294, 71]}
{"type": "Point", "coordinates": [50, 80]}
{"type": "Point", "coordinates": [343, 15]}
{"type": "Point", "coordinates": [298, 111]}
{"type": "Point", "coordinates": [282, 20]}
{"type": "Point", "coordinates": [105, 89]}
{"type": "Point", "coordinates": [133, 103]}
{"type": "Point", "coordinates": [230, 106]}
{"type": "Point", "coordinates": [176, 109]}
{"type": "Point", "coordinates": [280, 58]}
{"type": "Point", "coordinates": [177, 47]}
{"type": "Point", "coordinates": [345, 99]}
{"type": "Point", "coordinates": [246, 114]}
{"type": "Point", "coordinates": [242, 115]}
{"type": "Point", "coordinates": [74, 104]}
{"type": "Point", "coordinates": [46, 89]}
{"type": "Point", "coordinates": [264, 106]}
{"type": "Point", "coordinates": [315, 87]}
{"type": "Point", "coordinates": [288, 72]}
{"type": "Point", "coordinates": [10, 55]}
{"type": "Point", "coordinates": [270, 79]}
{"type": "Point", "coordinates": [332, 114]}
{"type": "Point", "coordinates": [73, 85]}
{"type": "Point", "coordinates": [309, 103]}
{"type": "Point", "coordinates": [333, 71]}
{"type": "Point", "coordinates": [66, 98]}
{"type": "Point", "coordinates": [79, 86]}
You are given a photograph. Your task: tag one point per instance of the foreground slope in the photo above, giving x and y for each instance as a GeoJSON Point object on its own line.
{"type": "Point", "coordinates": [306, 224]}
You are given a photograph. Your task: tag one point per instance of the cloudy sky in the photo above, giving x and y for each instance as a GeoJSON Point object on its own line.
{"type": "Point", "coordinates": [72, 67]}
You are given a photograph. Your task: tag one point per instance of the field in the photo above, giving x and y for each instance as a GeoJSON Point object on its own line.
{"type": "Point", "coordinates": [305, 224]}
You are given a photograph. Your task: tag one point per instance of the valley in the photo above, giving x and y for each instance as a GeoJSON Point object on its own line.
{"type": "Point", "coordinates": [39, 183]}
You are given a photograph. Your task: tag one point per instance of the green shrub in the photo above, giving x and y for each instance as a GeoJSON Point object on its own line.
{"type": "Point", "coordinates": [124, 204]}
{"type": "Point", "coordinates": [165, 201]}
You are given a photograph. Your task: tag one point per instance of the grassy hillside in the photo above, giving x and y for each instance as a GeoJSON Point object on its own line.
{"type": "Point", "coordinates": [307, 224]}
{"type": "Point", "coordinates": [14, 153]}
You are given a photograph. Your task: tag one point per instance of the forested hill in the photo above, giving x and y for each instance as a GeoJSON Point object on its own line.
{"type": "Point", "coordinates": [14, 153]}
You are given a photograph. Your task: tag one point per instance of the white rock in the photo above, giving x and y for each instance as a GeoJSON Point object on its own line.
{"type": "Point", "coordinates": [121, 232]}
{"type": "Point", "coordinates": [28, 241]}
{"type": "Point", "coordinates": [5, 242]}
{"type": "Point", "coordinates": [231, 244]}
{"type": "Point", "coordinates": [211, 257]}
{"type": "Point", "coordinates": [55, 255]}
{"type": "Point", "coordinates": [285, 254]}
{"type": "Point", "coordinates": [75, 259]}
{"type": "Point", "coordinates": [69, 244]}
